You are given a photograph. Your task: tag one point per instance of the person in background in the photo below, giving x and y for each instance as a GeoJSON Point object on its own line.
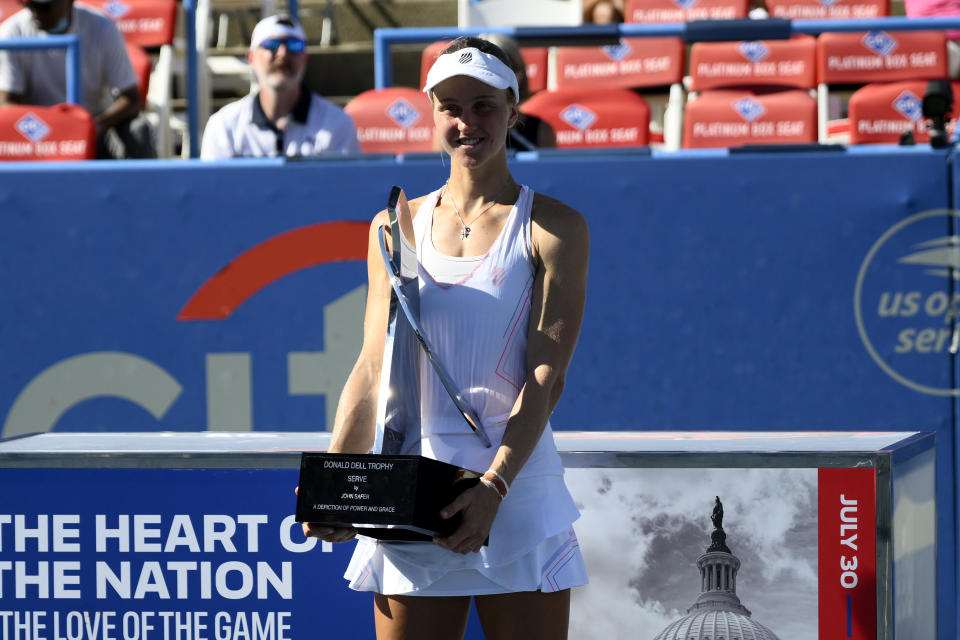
{"type": "Point", "coordinates": [940, 9]}
{"type": "Point", "coordinates": [530, 132]}
{"type": "Point", "coordinates": [283, 117]}
{"type": "Point", "coordinates": [110, 90]}
{"type": "Point", "coordinates": [603, 11]}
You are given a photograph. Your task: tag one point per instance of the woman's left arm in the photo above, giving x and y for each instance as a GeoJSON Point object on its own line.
{"type": "Point", "coordinates": [561, 249]}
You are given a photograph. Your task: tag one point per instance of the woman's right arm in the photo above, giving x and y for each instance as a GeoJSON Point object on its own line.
{"type": "Point", "coordinates": [355, 423]}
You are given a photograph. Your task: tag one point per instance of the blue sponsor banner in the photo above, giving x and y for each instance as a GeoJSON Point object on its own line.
{"type": "Point", "coordinates": [167, 554]}
{"type": "Point", "coordinates": [749, 291]}
{"type": "Point", "coordinates": [721, 292]}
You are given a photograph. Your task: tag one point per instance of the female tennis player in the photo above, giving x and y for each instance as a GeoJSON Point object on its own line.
{"type": "Point", "coordinates": [503, 275]}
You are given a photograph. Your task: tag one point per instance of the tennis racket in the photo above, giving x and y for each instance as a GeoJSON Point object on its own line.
{"type": "Point", "coordinates": [401, 263]}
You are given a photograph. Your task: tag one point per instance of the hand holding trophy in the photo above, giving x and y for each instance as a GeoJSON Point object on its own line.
{"type": "Point", "coordinates": [388, 494]}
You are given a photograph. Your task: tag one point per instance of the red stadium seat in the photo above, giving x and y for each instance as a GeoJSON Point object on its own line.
{"type": "Point", "coordinates": [392, 120]}
{"type": "Point", "coordinates": [859, 58]}
{"type": "Point", "coordinates": [774, 63]}
{"type": "Point", "coordinates": [60, 132]}
{"type": "Point", "coordinates": [772, 102]}
{"type": "Point", "coordinates": [148, 23]}
{"type": "Point", "coordinates": [534, 57]}
{"type": "Point", "coordinates": [881, 56]}
{"type": "Point", "coordinates": [659, 11]}
{"type": "Point", "coordinates": [537, 63]}
{"type": "Point", "coordinates": [638, 63]}
{"type": "Point", "coordinates": [635, 62]}
{"type": "Point", "coordinates": [142, 66]}
{"type": "Point", "coordinates": [727, 118]}
{"type": "Point", "coordinates": [827, 9]}
{"type": "Point", "coordinates": [593, 117]}
{"type": "Point", "coordinates": [881, 113]}
{"type": "Point", "coordinates": [8, 8]}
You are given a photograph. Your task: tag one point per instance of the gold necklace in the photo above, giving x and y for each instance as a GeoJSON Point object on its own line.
{"type": "Point", "coordinates": [465, 230]}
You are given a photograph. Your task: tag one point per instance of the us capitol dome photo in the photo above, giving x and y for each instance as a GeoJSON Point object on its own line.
{"type": "Point", "coordinates": [717, 613]}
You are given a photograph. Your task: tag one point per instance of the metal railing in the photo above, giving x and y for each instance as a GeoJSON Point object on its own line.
{"type": "Point", "coordinates": [694, 31]}
{"type": "Point", "coordinates": [69, 42]}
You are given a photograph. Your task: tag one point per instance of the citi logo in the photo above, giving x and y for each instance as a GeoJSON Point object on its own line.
{"type": "Point", "coordinates": [229, 374]}
{"type": "Point", "coordinates": [403, 113]}
{"type": "Point", "coordinates": [32, 127]}
{"type": "Point", "coordinates": [578, 117]}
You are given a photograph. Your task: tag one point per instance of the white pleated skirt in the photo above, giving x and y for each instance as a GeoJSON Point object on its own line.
{"type": "Point", "coordinates": [532, 547]}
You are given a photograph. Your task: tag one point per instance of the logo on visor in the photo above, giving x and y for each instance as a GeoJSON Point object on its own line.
{"type": "Point", "coordinates": [403, 113]}
{"type": "Point", "coordinates": [749, 109]}
{"type": "Point", "coordinates": [753, 51]}
{"type": "Point", "coordinates": [617, 52]}
{"type": "Point", "coordinates": [32, 128]}
{"type": "Point", "coordinates": [879, 42]}
{"type": "Point", "coordinates": [909, 105]}
{"type": "Point", "coordinates": [578, 117]}
{"type": "Point", "coordinates": [686, 4]}
{"type": "Point", "coordinates": [116, 9]}
{"type": "Point", "coordinates": [466, 57]}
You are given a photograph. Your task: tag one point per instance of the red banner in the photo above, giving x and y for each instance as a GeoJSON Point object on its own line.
{"type": "Point", "coordinates": [847, 518]}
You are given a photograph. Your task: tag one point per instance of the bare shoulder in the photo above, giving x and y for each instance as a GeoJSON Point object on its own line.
{"type": "Point", "coordinates": [416, 203]}
{"type": "Point", "coordinates": [557, 217]}
{"type": "Point", "coordinates": [379, 220]}
{"type": "Point", "coordinates": [557, 229]}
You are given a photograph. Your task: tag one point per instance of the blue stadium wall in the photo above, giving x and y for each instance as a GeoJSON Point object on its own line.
{"type": "Point", "coordinates": [754, 291]}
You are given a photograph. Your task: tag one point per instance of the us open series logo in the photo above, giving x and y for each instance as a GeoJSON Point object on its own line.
{"type": "Point", "coordinates": [907, 301]}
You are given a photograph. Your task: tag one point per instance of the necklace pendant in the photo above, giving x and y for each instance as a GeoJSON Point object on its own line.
{"type": "Point", "coordinates": [464, 233]}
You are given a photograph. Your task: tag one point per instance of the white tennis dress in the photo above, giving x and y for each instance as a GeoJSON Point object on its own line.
{"type": "Point", "coordinates": [475, 313]}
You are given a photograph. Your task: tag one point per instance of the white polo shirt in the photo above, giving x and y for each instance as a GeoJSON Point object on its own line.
{"type": "Point", "coordinates": [40, 76]}
{"type": "Point", "coordinates": [241, 129]}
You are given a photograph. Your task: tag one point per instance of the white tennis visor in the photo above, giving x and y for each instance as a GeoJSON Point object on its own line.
{"type": "Point", "coordinates": [276, 27]}
{"type": "Point", "coordinates": [474, 63]}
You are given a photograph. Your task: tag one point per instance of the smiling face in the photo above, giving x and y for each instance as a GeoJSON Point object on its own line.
{"type": "Point", "coordinates": [472, 119]}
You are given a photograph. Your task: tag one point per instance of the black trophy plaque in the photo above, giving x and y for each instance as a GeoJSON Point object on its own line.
{"type": "Point", "coordinates": [391, 497]}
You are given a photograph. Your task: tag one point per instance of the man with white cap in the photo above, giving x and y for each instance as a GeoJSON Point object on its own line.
{"type": "Point", "coordinates": [110, 90]}
{"type": "Point", "coordinates": [282, 118]}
